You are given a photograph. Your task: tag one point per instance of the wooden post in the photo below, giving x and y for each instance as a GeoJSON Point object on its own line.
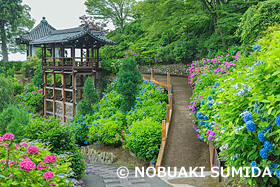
{"type": "Point", "coordinates": [152, 74]}
{"type": "Point", "coordinates": [63, 96]}
{"type": "Point", "coordinates": [74, 84]}
{"type": "Point", "coordinates": [53, 54]}
{"type": "Point", "coordinates": [92, 58]}
{"type": "Point", "coordinates": [45, 52]}
{"type": "Point", "coordinates": [82, 51]}
{"type": "Point", "coordinates": [62, 55]}
{"type": "Point", "coordinates": [45, 93]}
{"type": "Point", "coordinates": [92, 78]}
{"type": "Point", "coordinates": [54, 96]}
{"type": "Point", "coordinates": [167, 116]}
{"type": "Point", "coordinates": [163, 130]}
{"type": "Point", "coordinates": [171, 100]}
{"type": "Point", "coordinates": [97, 58]}
{"type": "Point", "coordinates": [73, 56]}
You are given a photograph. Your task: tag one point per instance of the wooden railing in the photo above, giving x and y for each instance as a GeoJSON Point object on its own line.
{"type": "Point", "coordinates": [69, 63]}
{"type": "Point", "coordinates": [167, 119]}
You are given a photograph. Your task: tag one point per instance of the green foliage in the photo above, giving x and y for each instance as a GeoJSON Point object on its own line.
{"type": "Point", "coordinates": [31, 98]}
{"type": "Point", "coordinates": [5, 66]}
{"type": "Point", "coordinates": [84, 108]}
{"type": "Point", "coordinates": [28, 67]}
{"type": "Point", "coordinates": [37, 79]}
{"type": "Point", "coordinates": [129, 79]}
{"type": "Point", "coordinates": [90, 94]}
{"type": "Point", "coordinates": [112, 65]}
{"type": "Point", "coordinates": [14, 175]}
{"type": "Point", "coordinates": [116, 11]}
{"type": "Point", "coordinates": [257, 19]}
{"type": "Point", "coordinates": [143, 138]}
{"type": "Point", "coordinates": [250, 89]}
{"type": "Point", "coordinates": [13, 120]}
{"type": "Point", "coordinates": [6, 93]}
{"type": "Point", "coordinates": [60, 138]}
{"type": "Point", "coordinates": [110, 126]}
{"type": "Point", "coordinates": [39, 53]}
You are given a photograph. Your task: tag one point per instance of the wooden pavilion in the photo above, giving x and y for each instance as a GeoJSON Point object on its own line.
{"type": "Point", "coordinates": [74, 56]}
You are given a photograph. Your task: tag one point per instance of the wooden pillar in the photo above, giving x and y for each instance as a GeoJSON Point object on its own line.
{"type": "Point", "coordinates": [73, 56]}
{"type": "Point", "coordinates": [45, 93]}
{"type": "Point", "coordinates": [44, 55]}
{"type": "Point", "coordinates": [74, 84]}
{"type": "Point", "coordinates": [62, 55]}
{"type": "Point", "coordinates": [53, 54]}
{"type": "Point", "coordinates": [54, 95]}
{"type": "Point", "coordinates": [92, 58]}
{"type": "Point", "coordinates": [97, 58]}
{"type": "Point", "coordinates": [63, 82]}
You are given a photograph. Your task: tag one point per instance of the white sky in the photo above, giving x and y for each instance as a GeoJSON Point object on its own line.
{"type": "Point", "coordinates": [61, 14]}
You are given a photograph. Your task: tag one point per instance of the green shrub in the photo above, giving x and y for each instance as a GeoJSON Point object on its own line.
{"type": "Point", "coordinates": [13, 120]}
{"type": "Point", "coordinates": [90, 94]}
{"type": "Point", "coordinates": [241, 111]}
{"type": "Point", "coordinates": [144, 138]}
{"type": "Point", "coordinates": [37, 79]}
{"type": "Point", "coordinates": [15, 174]}
{"type": "Point", "coordinates": [129, 79]}
{"type": "Point", "coordinates": [84, 108]}
{"type": "Point", "coordinates": [59, 137]}
{"type": "Point", "coordinates": [31, 98]}
{"type": "Point", "coordinates": [112, 65]}
{"type": "Point", "coordinates": [6, 93]}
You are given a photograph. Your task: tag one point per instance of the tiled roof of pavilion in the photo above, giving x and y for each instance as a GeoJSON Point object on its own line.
{"type": "Point", "coordinates": [45, 33]}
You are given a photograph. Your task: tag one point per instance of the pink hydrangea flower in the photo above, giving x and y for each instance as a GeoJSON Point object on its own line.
{"type": "Point", "coordinates": [3, 160]}
{"type": "Point", "coordinates": [50, 159]}
{"type": "Point", "coordinates": [16, 146]}
{"type": "Point", "coordinates": [52, 184]}
{"type": "Point", "coordinates": [4, 145]}
{"type": "Point", "coordinates": [8, 136]}
{"type": "Point", "coordinates": [27, 165]}
{"type": "Point", "coordinates": [12, 162]}
{"type": "Point", "coordinates": [24, 144]}
{"type": "Point", "coordinates": [42, 165]}
{"type": "Point", "coordinates": [48, 175]}
{"type": "Point", "coordinates": [33, 149]}
{"type": "Point", "coordinates": [1, 139]}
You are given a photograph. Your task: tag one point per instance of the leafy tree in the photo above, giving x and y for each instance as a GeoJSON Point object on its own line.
{"type": "Point", "coordinates": [6, 93]}
{"type": "Point", "coordinates": [117, 11]}
{"type": "Point", "coordinates": [90, 97]}
{"type": "Point", "coordinates": [257, 19]}
{"type": "Point", "coordinates": [14, 20]}
{"type": "Point", "coordinates": [129, 78]}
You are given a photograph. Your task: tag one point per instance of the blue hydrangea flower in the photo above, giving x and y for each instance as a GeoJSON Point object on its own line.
{"type": "Point", "coordinates": [267, 145]}
{"type": "Point", "coordinates": [254, 164]}
{"type": "Point", "coordinates": [205, 117]}
{"type": "Point", "coordinates": [251, 126]}
{"type": "Point", "coordinates": [247, 117]}
{"type": "Point", "coordinates": [152, 162]}
{"type": "Point", "coordinates": [201, 122]}
{"type": "Point", "coordinates": [199, 115]}
{"type": "Point", "coordinates": [261, 136]}
{"type": "Point", "coordinates": [134, 140]}
{"type": "Point", "coordinates": [197, 130]}
{"type": "Point", "coordinates": [277, 120]}
{"type": "Point", "coordinates": [277, 173]}
{"type": "Point", "coordinates": [256, 107]}
{"type": "Point", "coordinates": [209, 97]}
{"type": "Point", "coordinates": [256, 47]}
{"type": "Point", "coordinates": [202, 102]}
{"type": "Point", "coordinates": [263, 153]}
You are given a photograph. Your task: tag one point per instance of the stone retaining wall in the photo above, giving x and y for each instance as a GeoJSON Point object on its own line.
{"type": "Point", "coordinates": [98, 157]}
{"type": "Point", "coordinates": [174, 69]}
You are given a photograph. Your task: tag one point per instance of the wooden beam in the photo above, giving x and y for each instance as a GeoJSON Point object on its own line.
{"type": "Point", "coordinates": [54, 96]}
{"type": "Point", "coordinates": [74, 97]}
{"type": "Point", "coordinates": [63, 82]}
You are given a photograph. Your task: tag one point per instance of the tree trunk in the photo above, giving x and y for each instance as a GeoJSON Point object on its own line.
{"type": "Point", "coordinates": [4, 44]}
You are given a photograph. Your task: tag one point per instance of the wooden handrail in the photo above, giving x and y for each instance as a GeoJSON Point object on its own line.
{"type": "Point", "coordinates": [167, 120]}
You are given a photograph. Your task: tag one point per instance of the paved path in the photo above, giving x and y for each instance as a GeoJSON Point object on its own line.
{"type": "Point", "coordinates": [106, 176]}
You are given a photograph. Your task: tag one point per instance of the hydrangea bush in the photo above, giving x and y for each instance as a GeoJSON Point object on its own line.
{"type": "Point", "coordinates": [111, 126]}
{"type": "Point", "coordinates": [31, 164]}
{"type": "Point", "coordinates": [238, 110]}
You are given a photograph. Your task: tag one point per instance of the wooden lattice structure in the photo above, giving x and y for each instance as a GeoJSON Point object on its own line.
{"type": "Point", "coordinates": [74, 57]}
